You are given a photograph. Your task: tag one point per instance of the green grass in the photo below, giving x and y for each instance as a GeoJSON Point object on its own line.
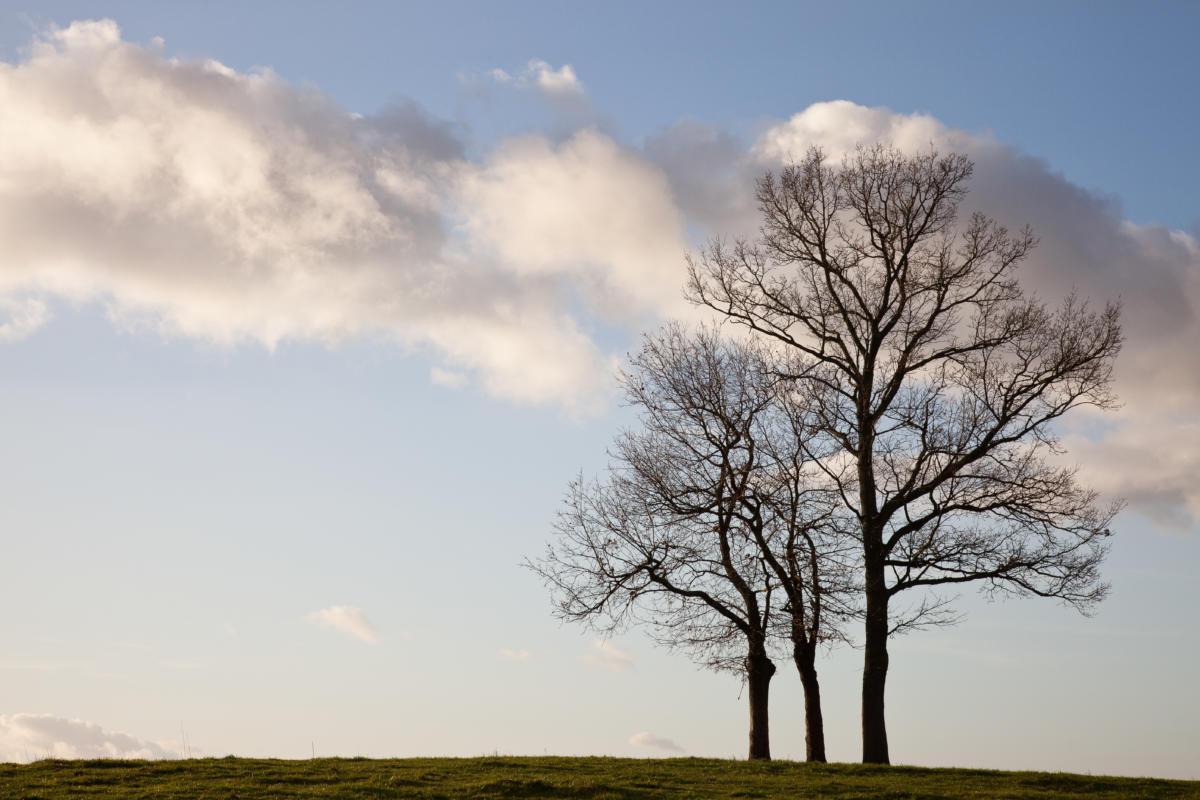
{"type": "Point", "coordinates": [505, 777]}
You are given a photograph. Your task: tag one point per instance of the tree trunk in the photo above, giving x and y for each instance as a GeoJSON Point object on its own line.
{"type": "Point", "coordinates": [805, 657]}
{"type": "Point", "coordinates": [875, 666]}
{"type": "Point", "coordinates": [759, 670]}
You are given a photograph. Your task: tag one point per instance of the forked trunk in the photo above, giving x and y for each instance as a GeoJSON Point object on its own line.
{"type": "Point", "coordinates": [759, 670]}
{"type": "Point", "coordinates": [805, 657]}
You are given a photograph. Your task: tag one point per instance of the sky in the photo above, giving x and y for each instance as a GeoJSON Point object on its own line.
{"type": "Point", "coordinates": [308, 315]}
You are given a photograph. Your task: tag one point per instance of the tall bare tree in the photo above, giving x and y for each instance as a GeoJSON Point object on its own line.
{"type": "Point", "coordinates": [937, 378]}
{"type": "Point", "coordinates": [693, 533]}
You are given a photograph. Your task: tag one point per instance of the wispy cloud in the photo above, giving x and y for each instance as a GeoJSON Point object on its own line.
{"type": "Point", "coordinates": [19, 317]}
{"type": "Point", "coordinates": [606, 655]}
{"type": "Point", "coordinates": [26, 737]}
{"type": "Point", "coordinates": [514, 655]}
{"type": "Point", "coordinates": [348, 620]}
{"type": "Point", "coordinates": [651, 742]}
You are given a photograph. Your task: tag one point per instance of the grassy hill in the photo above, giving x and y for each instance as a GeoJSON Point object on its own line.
{"type": "Point", "coordinates": [505, 777]}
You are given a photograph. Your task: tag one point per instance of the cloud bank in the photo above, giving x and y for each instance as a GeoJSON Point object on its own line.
{"type": "Point", "coordinates": [347, 620]}
{"type": "Point", "coordinates": [194, 200]}
{"type": "Point", "coordinates": [29, 737]}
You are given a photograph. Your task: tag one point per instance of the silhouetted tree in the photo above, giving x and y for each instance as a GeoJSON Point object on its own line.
{"type": "Point", "coordinates": [693, 532]}
{"type": "Point", "coordinates": [937, 379]}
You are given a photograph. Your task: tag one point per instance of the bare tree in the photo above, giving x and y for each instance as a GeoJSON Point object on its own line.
{"type": "Point", "coordinates": [935, 377]}
{"type": "Point", "coordinates": [692, 534]}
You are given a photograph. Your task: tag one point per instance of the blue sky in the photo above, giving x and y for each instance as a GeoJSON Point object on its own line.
{"type": "Point", "coordinates": [203, 450]}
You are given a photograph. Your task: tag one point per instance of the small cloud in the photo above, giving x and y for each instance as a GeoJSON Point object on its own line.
{"type": "Point", "coordinates": [346, 619]}
{"type": "Point", "coordinates": [450, 378]}
{"type": "Point", "coordinates": [19, 318]}
{"type": "Point", "coordinates": [25, 737]}
{"type": "Point", "coordinates": [652, 742]}
{"type": "Point", "coordinates": [559, 82]}
{"type": "Point", "coordinates": [515, 655]}
{"type": "Point", "coordinates": [539, 75]}
{"type": "Point", "coordinates": [608, 656]}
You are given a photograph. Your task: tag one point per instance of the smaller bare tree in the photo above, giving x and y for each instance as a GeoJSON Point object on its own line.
{"type": "Point", "coordinates": [692, 533]}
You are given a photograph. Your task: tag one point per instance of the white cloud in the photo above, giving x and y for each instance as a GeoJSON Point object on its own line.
{"type": "Point", "coordinates": [554, 84]}
{"type": "Point", "coordinates": [606, 655]}
{"type": "Point", "coordinates": [21, 317]}
{"type": "Point", "coordinates": [839, 126]}
{"type": "Point", "coordinates": [515, 655]}
{"type": "Point", "coordinates": [587, 210]}
{"type": "Point", "coordinates": [27, 737]}
{"type": "Point", "coordinates": [652, 742]}
{"type": "Point", "coordinates": [195, 200]}
{"type": "Point", "coordinates": [348, 620]}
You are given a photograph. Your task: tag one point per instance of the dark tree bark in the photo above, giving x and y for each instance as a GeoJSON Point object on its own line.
{"type": "Point", "coordinates": [805, 659]}
{"type": "Point", "coordinates": [759, 671]}
{"type": "Point", "coordinates": [875, 668]}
